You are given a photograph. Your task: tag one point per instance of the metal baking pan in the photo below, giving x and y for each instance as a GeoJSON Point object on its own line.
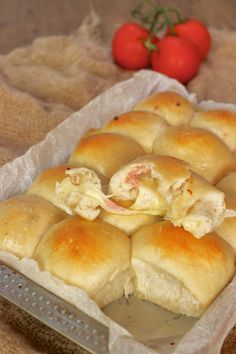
{"type": "Point", "coordinates": [35, 309]}
{"type": "Point", "coordinates": [65, 327]}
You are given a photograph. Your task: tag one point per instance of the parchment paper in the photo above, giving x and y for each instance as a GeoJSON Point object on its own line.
{"type": "Point", "coordinates": [170, 334]}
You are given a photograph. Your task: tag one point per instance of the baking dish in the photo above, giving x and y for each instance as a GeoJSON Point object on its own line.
{"type": "Point", "coordinates": [204, 336]}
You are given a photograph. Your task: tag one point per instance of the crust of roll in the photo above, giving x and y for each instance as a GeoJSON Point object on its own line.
{"type": "Point", "coordinates": [228, 185]}
{"type": "Point", "coordinates": [105, 153]}
{"type": "Point", "coordinates": [143, 127]}
{"type": "Point", "coordinates": [177, 271]}
{"type": "Point", "coordinates": [174, 108]}
{"type": "Point", "coordinates": [206, 154]}
{"type": "Point", "coordinates": [94, 256]}
{"type": "Point", "coordinates": [23, 221]}
{"type": "Point", "coordinates": [220, 122]}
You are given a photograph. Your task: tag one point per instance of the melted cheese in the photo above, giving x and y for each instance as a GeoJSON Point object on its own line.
{"type": "Point", "coordinates": [149, 200]}
{"type": "Point", "coordinates": [81, 193]}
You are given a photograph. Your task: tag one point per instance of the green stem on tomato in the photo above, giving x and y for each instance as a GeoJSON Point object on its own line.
{"type": "Point", "coordinates": [149, 13]}
{"type": "Point", "coordinates": [148, 42]}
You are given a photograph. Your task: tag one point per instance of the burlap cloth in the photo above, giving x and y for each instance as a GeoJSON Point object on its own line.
{"type": "Point", "coordinates": [44, 83]}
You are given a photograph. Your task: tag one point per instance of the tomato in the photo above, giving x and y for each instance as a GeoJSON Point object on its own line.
{"type": "Point", "coordinates": [177, 58]}
{"type": "Point", "coordinates": [128, 48]}
{"type": "Point", "coordinates": [196, 32]}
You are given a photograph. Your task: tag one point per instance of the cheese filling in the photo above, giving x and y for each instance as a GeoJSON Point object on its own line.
{"type": "Point", "coordinates": [149, 199]}
{"type": "Point", "coordinates": [81, 193]}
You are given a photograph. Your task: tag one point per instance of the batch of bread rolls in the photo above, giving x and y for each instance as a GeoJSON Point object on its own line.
{"type": "Point", "coordinates": [146, 205]}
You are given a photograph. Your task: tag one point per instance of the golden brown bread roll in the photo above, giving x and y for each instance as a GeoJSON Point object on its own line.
{"type": "Point", "coordinates": [206, 153]}
{"type": "Point", "coordinates": [143, 127]}
{"type": "Point", "coordinates": [94, 256]}
{"type": "Point", "coordinates": [23, 221]}
{"type": "Point", "coordinates": [44, 185]}
{"type": "Point", "coordinates": [227, 229]}
{"type": "Point", "coordinates": [174, 108]}
{"type": "Point", "coordinates": [228, 185]}
{"type": "Point", "coordinates": [175, 270]}
{"type": "Point", "coordinates": [105, 153]}
{"type": "Point", "coordinates": [220, 122]}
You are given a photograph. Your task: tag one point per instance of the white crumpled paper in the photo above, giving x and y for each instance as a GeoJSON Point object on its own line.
{"type": "Point", "coordinates": [207, 334]}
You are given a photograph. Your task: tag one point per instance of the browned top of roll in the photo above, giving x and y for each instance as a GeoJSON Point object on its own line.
{"type": "Point", "coordinates": [105, 153]}
{"type": "Point", "coordinates": [204, 266]}
{"type": "Point", "coordinates": [220, 122]}
{"type": "Point", "coordinates": [228, 185]}
{"type": "Point", "coordinates": [206, 154]}
{"type": "Point", "coordinates": [141, 126]}
{"type": "Point", "coordinates": [174, 108]}
{"type": "Point", "coordinates": [87, 254]}
{"type": "Point", "coordinates": [23, 221]}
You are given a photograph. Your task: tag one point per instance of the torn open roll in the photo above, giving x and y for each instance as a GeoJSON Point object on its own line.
{"type": "Point", "coordinates": [154, 185]}
{"type": "Point", "coordinates": [163, 185]}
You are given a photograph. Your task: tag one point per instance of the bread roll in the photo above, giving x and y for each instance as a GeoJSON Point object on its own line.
{"type": "Point", "coordinates": [228, 185]}
{"type": "Point", "coordinates": [177, 271]}
{"type": "Point", "coordinates": [44, 185]}
{"type": "Point", "coordinates": [94, 256]}
{"type": "Point", "coordinates": [227, 229]}
{"type": "Point", "coordinates": [105, 153]}
{"type": "Point", "coordinates": [163, 185]}
{"type": "Point", "coordinates": [174, 108]}
{"type": "Point", "coordinates": [23, 221]}
{"type": "Point", "coordinates": [128, 223]}
{"type": "Point", "coordinates": [220, 122]}
{"type": "Point", "coordinates": [206, 153]}
{"type": "Point", "coordinates": [144, 127]}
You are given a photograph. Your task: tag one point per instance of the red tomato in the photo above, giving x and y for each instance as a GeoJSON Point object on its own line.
{"type": "Point", "coordinates": [196, 32]}
{"type": "Point", "coordinates": [176, 57]}
{"type": "Point", "coordinates": [128, 47]}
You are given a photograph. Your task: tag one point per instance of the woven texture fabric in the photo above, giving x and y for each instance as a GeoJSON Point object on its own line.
{"type": "Point", "coordinates": [44, 83]}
